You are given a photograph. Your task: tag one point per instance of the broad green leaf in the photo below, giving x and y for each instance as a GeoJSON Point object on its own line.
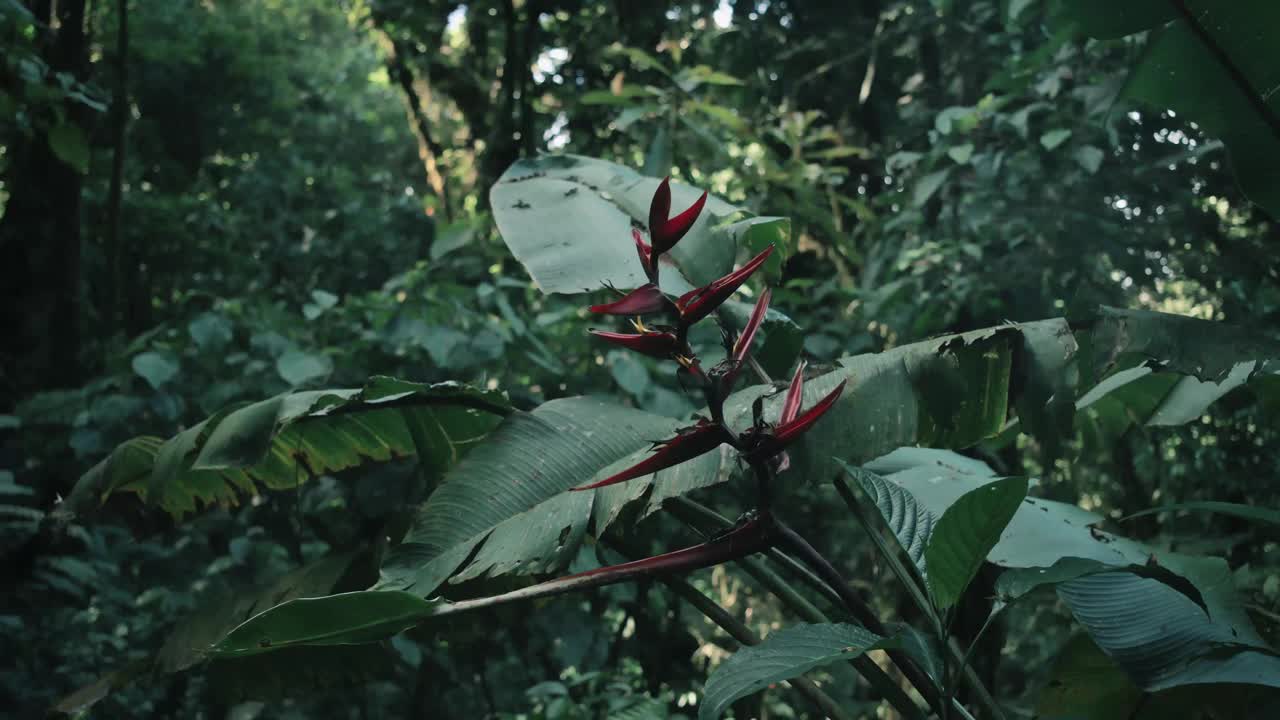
{"type": "Point", "coordinates": [69, 143]}
{"type": "Point", "coordinates": [965, 534]}
{"type": "Point", "coordinates": [1157, 633]}
{"type": "Point", "coordinates": [1089, 157]}
{"type": "Point", "coordinates": [891, 399]}
{"type": "Point", "coordinates": [909, 522]}
{"type": "Point", "coordinates": [281, 442]}
{"type": "Point", "coordinates": [350, 618]}
{"type": "Point", "coordinates": [512, 493]}
{"type": "Point", "coordinates": [1179, 71]}
{"type": "Point", "coordinates": [1204, 349]}
{"type": "Point", "coordinates": [1162, 639]}
{"type": "Point", "coordinates": [568, 220]}
{"type": "Point", "coordinates": [784, 655]}
{"type": "Point", "coordinates": [299, 368]}
{"type": "Point", "coordinates": [190, 640]}
{"type": "Point", "coordinates": [210, 330]}
{"type": "Point", "coordinates": [960, 153]}
{"type": "Point", "coordinates": [156, 368]}
{"type": "Point", "coordinates": [1052, 139]}
{"type": "Point", "coordinates": [1017, 582]}
{"type": "Point", "coordinates": [1247, 512]}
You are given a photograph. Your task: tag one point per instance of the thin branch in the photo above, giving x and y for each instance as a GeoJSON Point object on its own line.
{"type": "Point", "coordinates": [691, 512]}
{"type": "Point", "coordinates": [857, 607]}
{"type": "Point", "coordinates": [751, 537]}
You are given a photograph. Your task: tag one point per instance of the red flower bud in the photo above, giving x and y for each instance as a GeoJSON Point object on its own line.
{"type": "Point", "coordinates": [643, 300]}
{"type": "Point", "coordinates": [795, 393]}
{"type": "Point", "coordinates": [697, 304]}
{"type": "Point", "coordinates": [655, 343]}
{"type": "Point", "coordinates": [647, 260]}
{"type": "Point", "coordinates": [688, 443]}
{"type": "Point", "coordinates": [664, 231]}
{"type": "Point", "coordinates": [766, 444]}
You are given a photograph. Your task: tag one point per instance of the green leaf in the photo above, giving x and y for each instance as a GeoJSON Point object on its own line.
{"type": "Point", "coordinates": [298, 368]}
{"type": "Point", "coordinates": [784, 655]}
{"type": "Point", "coordinates": [281, 442]}
{"type": "Point", "coordinates": [568, 220]}
{"type": "Point", "coordinates": [1156, 632]}
{"type": "Point", "coordinates": [1052, 139]}
{"type": "Point", "coordinates": [960, 153]}
{"type": "Point", "coordinates": [1247, 512]}
{"type": "Point", "coordinates": [1017, 582]}
{"type": "Point", "coordinates": [155, 368]}
{"type": "Point", "coordinates": [210, 330]}
{"type": "Point", "coordinates": [910, 523]}
{"type": "Point", "coordinates": [1179, 71]}
{"type": "Point", "coordinates": [188, 643]}
{"type": "Point", "coordinates": [928, 185]}
{"type": "Point", "coordinates": [508, 502]}
{"type": "Point", "coordinates": [1162, 639]}
{"type": "Point", "coordinates": [345, 619]}
{"type": "Point", "coordinates": [68, 142]}
{"type": "Point", "coordinates": [966, 533]}
{"type": "Point", "coordinates": [1089, 157]}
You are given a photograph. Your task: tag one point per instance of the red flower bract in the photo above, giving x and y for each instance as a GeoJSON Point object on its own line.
{"type": "Point", "coordinates": [647, 260]}
{"type": "Point", "coordinates": [654, 343]}
{"type": "Point", "coordinates": [697, 304]}
{"type": "Point", "coordinates": [643, 300]}
{"type": "Point", "coordinates": [767, 444]}
{"type": "Point", "coordinates": [666, 232]}
{"type": "Point", "coordinates": [688, 443]}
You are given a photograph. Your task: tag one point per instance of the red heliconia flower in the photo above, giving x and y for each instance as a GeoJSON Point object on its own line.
{"type": "Point", "coordinates": [697, 304]}
{"type": "Point", "coordinates": [795, 393]}
{"type": "Point", "coordinates": [647, 259]}
{"type": "Point", "coordinates": [667, 231]}
{"type": "Point", "coordinates": [766, 444]}
{"type": "Point", "coordinates": [728, 370]}
{"type": "Point", "coordinates": [688, 443]}
{"type": "Point", "coordinates": [643, 300]}
{"type": "Point", "coordinates": [655, 343]}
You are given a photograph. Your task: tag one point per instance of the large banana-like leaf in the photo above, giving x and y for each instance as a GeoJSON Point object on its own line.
{"type": "Point", "coordinates": [281, 442]}
{"type": "Point", "coordinates": [512, 495]}
{"type": "Point", "coordinates": [568, 220]}
{"type": "Point", "coordinates": [1163, 634]}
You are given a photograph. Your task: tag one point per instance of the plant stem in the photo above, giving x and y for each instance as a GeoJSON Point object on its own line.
{"type": "Point", "coordinates": [740, 632]}
{"type": "Point", "coordinates": [752, 537]}
{"type": "Point", "coordinates": [797, 603]}
{"type": "Point", "coordinates": [857, 607]}
{"type": "Point", "coordinates": [900, 571]}
{"type": "Point", "coordinates": [691, 512]}
{"type": "Point", "coordinates": [908, 580]}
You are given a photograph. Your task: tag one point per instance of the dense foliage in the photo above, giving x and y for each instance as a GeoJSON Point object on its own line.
{"type": "Point", "coordinates": [302, 417]}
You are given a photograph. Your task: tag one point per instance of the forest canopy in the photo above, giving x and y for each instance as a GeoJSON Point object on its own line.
{"type": "Point", "coordinates": [556, 360]}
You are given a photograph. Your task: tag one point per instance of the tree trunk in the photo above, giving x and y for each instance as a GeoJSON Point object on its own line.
{"type": "Point", "coordinates": [40, 235]}
{"type": "Point", "coordinates": [112, 248]}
